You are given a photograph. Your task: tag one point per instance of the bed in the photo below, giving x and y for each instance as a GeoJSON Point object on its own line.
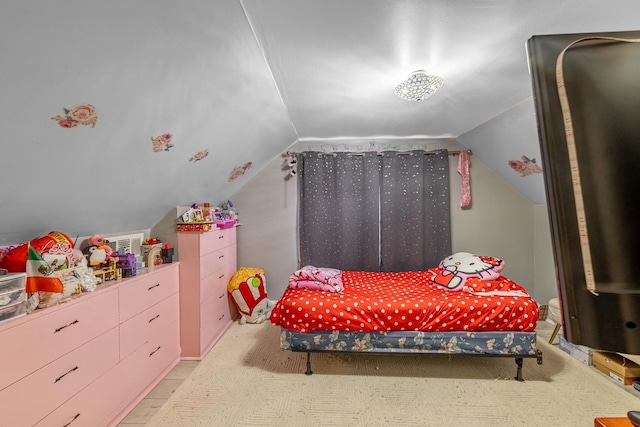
{"type": "Point", "coordinates": [437, 311]}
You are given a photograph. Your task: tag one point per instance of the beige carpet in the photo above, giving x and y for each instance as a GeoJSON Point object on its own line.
{"type": "Point", "coordinates": [246, 380]}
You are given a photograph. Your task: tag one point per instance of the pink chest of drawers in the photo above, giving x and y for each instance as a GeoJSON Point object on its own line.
{"type": "Point", "coordinates": [88, 361]}
{"type": "Point", "coordinates": [207, 262]}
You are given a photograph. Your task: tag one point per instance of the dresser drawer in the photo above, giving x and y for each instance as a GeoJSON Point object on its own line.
{"type": "Point", "coordinates": [32, 398]}
{"type": "Point", "coordinates": [141, 293]}
{"type": "Point", "coordinates": [142, 366]}
{"type": "Point", "coordinates": [215, 318]}
{"type": "Point", "coordinates": [217, 239]}
{"type": "Point", "coordinates": [89, 408]}
{"type": "Point", "coordinates": [231, 260]}
{"type": "Point", "coordinates": [33, 344]}
{"type": "Point", "coordinates": [217, 260]}
{"type": "Point", "coordinates": [119, 386]}
{"type": "Point", "coordinates": [215, 284]}
{"type": "Point", "coordinates": [135, 331]}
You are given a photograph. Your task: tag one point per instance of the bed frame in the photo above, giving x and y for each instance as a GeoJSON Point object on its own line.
{"type": "Point", "coordinates": [518, 345]}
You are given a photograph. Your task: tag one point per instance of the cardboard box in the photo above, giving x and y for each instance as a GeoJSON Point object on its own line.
{"type": "Point", "coordinates": [616, 366]}
{"type": "Point", "coordinates": [581, 353]}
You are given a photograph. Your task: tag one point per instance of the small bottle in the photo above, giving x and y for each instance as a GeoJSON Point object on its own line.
{"type": "Point", "coordinates": [206, 212]}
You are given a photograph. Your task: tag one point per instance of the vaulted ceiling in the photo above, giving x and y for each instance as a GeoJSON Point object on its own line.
{"type": "Point", "coordinates": [336, 63]}
{"type": "Point", "coordinates": [246, 79]}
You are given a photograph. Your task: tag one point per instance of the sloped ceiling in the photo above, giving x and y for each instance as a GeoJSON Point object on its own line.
{"type": "Point", "coordinates": [336, 64]}
{"type": "Point", "coordinates": [189, 68]}
{"type": "Point", "coordinates": [245, 79]}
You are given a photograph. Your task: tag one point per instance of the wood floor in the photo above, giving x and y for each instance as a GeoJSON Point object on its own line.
{"type": "Point", "coordinates": [143, 412]}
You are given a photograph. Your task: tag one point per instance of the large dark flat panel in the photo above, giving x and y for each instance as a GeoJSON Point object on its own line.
{"type": "Point", "coordinates": [603, 91]}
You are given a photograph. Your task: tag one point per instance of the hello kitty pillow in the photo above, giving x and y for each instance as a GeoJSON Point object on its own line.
{"type": "Point", "coordinates": [454, 271]}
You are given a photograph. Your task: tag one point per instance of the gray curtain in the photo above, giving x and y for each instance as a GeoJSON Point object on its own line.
{"type": "Point", "coordinates": [414, 210]}
{"type": "Point", "coordinates": [370, 212]}
{"type": "Point", "coordinates": [338, 215]}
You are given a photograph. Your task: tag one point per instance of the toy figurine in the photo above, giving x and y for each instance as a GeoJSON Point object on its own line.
{"type": "Point", "coordinates": [127, 263]}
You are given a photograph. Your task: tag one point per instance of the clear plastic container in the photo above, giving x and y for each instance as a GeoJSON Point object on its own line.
{"type": "Point", "coordinates": [13, 296]}
{"type": "Point", "coordinates": [9, 297]}
{"type": "Point", "coordinates": [12, 281]}
{"type": "Point", "coordinates": [16, 309]}
{"type": "Point", "coordinates": [12, 288]}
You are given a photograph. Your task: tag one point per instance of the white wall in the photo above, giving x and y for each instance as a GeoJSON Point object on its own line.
{"type": "Point", "coordinates": [509, 136]}
{"type": "Point", "coordinates": [194, 70]}
{"type": "Point", "coordinates": [500, 223]}
{"type": "Point", "coordinates": [267, 234]}
{"type": "Point", "coordinates": [543, 260]}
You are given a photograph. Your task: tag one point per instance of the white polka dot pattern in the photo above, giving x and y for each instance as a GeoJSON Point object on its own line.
{"type": "Point", "coordinates": [404, 301]}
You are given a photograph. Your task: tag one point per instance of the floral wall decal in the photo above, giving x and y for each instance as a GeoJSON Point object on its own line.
{"type": "Point", "coordinates": [162, 142]}
{"type": "Point", "coordinates": [199, 156]}
{"type": "Point", "coordinates": [81, 114]}
{"type": "Point", "coordinates": [526, 166]}
{"type": "Point", "coordinates": [239, 170]}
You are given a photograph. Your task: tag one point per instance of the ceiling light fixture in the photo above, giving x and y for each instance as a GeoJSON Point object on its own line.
{"type": "Point", "coordinates": [418, 86]}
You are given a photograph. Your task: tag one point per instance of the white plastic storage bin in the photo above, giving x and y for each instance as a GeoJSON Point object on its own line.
{"type": "Point", "coordinates": [13, 296]}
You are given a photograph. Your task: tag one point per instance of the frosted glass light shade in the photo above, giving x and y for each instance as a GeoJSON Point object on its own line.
{"type": "Point", "coordinates": [418, 86]}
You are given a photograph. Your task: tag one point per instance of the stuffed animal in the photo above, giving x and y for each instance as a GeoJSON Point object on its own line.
{"type": "Point", "coordinates": [95, 255]}
{"type": "Point", "coordinates": [77, 258]}
{"type": "Point", "coordinates": [98, 240]}
{"type": "Point", "coordinates": [453, 271]}
{"type": "Point", "coordinates": [249, 295]}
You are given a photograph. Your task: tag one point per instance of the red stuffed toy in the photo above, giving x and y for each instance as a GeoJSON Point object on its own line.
{"type": "Point", "coordinates": [98, 240]}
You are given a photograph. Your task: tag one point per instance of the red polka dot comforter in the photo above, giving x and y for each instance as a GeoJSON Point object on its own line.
{"type": "Point", "coordinates": [407, 301]}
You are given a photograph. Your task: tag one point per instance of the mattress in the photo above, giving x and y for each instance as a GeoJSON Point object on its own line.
{"type": "Point", "coordinates": [406, 301]}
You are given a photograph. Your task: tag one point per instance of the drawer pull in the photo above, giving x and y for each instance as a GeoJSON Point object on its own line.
{"type": "Point", "coordinates": [74, 418]}
{"type": "Point", "coordinates": [66, 326]}
{"type": "Point", "coordinates": [154, 318]}
{"type": "Point", "coordinates": [221, 317]}
{"type": "Point", "coordinates": [221, 276]}
{"type": "Point", "coordinates": [154, 351]}
{"type": "Point", "coordinates": [221, 295]}
{"type": "Point", "coordinates": [154, 286]}
{"type": "Point", "coordinates": [65, 374]}
{"type": "Point", "coordinates": [221, 256]}
{"type": "Point", "coordinates": [220, 237]}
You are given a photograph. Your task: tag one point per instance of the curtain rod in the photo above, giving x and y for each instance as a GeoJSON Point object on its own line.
{"type": "Point", "coordinates": [451, 153]}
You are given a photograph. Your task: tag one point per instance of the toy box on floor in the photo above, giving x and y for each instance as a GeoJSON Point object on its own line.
{"type": "Point", "coordinates": [616, 366]}
{"type": "Point", "coordinates": [581, 353]}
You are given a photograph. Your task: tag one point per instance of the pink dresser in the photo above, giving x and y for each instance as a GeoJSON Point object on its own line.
{"type": "Point", "coordinates": [207, 262]}
{"type": "Point", "coordinates": [90, 360]}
